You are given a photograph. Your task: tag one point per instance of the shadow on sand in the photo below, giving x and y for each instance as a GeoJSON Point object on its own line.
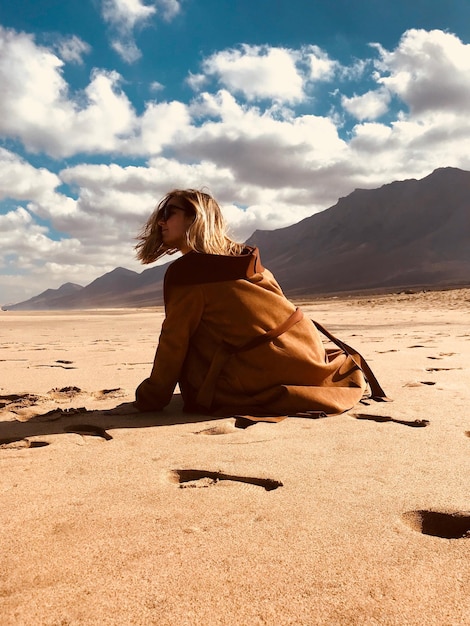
{"type": "Point", "coordinates": [97, 422]}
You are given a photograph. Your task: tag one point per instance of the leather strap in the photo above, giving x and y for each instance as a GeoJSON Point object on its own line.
{"type": "Point", "coordinates": [377, 393]}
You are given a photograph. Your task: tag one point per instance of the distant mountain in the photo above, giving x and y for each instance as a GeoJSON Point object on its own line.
{"type": "Point", "coordinates": [46, 299]}
{"type": "Point", "coordinates": [407, 234]}
{"type": "Point", "coordinates": [413, 233]}
{"type": "Point", "coordinates": [116, 289]}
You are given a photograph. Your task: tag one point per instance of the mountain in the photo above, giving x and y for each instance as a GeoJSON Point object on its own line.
{"type": "Point", "coordinates": [116, 289]}
{"type": "Point", "coordinates": [413, 233]}
{"type": "Point", "coordinates": [47, 299]}
{"type": "Point", "coordinates": [407, 234]}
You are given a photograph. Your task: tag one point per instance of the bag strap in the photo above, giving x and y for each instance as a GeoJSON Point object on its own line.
{"type": "Point", "coordinates": [377, 393]}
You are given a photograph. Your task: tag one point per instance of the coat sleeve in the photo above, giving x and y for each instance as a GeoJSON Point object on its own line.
{"type": "Point", "coordinates": [183, 312]}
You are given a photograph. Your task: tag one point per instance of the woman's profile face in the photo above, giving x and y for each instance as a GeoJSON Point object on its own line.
{"type": "Point", "coordinates": [174, 223]}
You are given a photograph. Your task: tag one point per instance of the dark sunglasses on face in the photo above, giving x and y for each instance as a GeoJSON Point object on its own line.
{"type": "Point", "coordinates": [169, 210]}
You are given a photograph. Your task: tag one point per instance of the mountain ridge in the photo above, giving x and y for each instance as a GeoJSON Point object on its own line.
{"type": "Point", "coordinates": [368, 241]}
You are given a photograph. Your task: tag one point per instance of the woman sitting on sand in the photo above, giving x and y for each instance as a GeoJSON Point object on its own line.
{"type": "Point", "coordinates": [231, 339]}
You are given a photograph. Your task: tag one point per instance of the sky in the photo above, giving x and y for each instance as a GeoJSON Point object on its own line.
{"type": "Point", "coordinates": [276, 107]}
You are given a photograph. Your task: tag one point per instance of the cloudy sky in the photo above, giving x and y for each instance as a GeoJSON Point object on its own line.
{"type": "Point", "coordinates": [278, 107]}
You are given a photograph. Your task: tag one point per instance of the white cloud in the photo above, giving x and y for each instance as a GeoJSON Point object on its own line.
{"type": "Point", "coordinates": [243, 222]}
{"type": "Point", "coordinates": [161, 124]}
{"type": "Point", "coordinates": [116, 200]}
{"type": "Point", "coordinates": [321, 66]}
{"type": "Point", "coordinates": [108, 114]}
{"type": "Point", "coordinates": [356, 71]}
{"type": "Point", "coordinates": [156, 86]}
{"type": "Point", "coordinates": [124, 16]}
{"type": "Point", "coordinates": [265, 72]}
{"type": "Point", "coordinates": [429, 71]}
{"type": "Point", "coordinates": [126, 49]}
{"type": "Point", "coordinates": [258, 147]}
{"type": "Point", "coordinates": [168, 8]}
{"type": "Point", "coordinates": [196, 81]}
{"type": "Point", "coordinates": [32, 85]}
{"type": "Point", "coordinates": [22, 181]}
{"type": "Point", "coordinates": [130, 193]}
{"type": "Point", "coordinates": [257, 72]}
{"type": "Point", "coordinates": [37, 108]}
{"type": "Point", "coordinates": [369, 106]}
{"type": "Point", "coordinates": [72, 49]}
{"type": "Point", "coordinates": [24, 247]}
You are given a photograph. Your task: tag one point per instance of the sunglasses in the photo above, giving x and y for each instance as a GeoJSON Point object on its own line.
{"type": "Point", "coordinates": [169, 210]}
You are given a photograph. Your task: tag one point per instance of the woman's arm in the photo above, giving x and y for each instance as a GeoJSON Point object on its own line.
{"type": "Point", "coordinates": [183, 313]}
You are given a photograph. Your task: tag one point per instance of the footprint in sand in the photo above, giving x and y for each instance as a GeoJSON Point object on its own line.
{"type": "Point", "coordinates": [420, 383]}
{"type": "Point", "coordinates": [24, 407]}
{"type": "Point", "coordinates": [226, 428]}
{"type": "Point", "coordinates": [66, 365]}
{"type": "Point", "coordinates": [104, 394]}
{"type": "Point", "coordinates": [64, 393]}
{"type": "Point", "coordinates": [444, 524]}
{"type": "Point", "coordinates": [191, 478]}
{"type": "Point", "coordinates": [19, 400]}
{"type": "Point", "coordinates": [233, 426]}
{"type": "Point", "coordinates": [387, 418]}
{"type": "Point", "coordinates": [88, 430]}
{"type": "Point", "coordinates": [31, 415]}
{"type": "Point", "coordinates": [20, 444]}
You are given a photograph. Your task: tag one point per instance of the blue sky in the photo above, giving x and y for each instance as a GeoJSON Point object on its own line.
{"type": "Point", "coordinates": [278, 107]}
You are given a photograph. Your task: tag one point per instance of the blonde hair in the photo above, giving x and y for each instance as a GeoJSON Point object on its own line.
{"type": "Point", "coordinates": [206, 234]}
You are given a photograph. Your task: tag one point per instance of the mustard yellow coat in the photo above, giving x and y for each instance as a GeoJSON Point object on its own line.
{"type": "Point", "coordinates": [215, 304]}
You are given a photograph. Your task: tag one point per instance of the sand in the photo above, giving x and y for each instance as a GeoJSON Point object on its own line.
{"type": "Point", "coordinates": [174, 519]}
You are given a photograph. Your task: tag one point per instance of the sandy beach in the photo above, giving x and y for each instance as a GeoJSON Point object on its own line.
{"type": "Point", "coordinates": [177, 519]}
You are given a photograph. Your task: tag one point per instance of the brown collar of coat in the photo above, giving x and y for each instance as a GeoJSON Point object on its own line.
{"type": "Point", "coordinates": [195, 268]}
